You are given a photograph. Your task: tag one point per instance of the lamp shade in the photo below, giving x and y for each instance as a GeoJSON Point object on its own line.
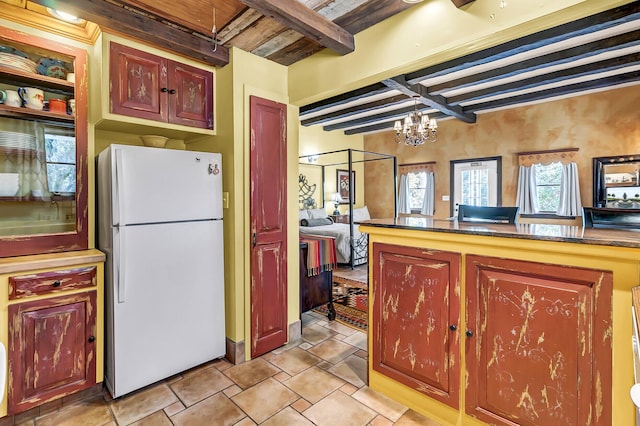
{"type": "Point", "coordinates": [335, 197]}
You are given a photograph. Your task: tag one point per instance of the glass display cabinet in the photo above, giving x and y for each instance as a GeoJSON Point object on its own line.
{"type": "Point", "coordinates": [43, 146]}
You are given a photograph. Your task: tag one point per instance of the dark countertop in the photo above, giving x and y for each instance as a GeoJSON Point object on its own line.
{"type": "Point", "coordinates": [529, 231]}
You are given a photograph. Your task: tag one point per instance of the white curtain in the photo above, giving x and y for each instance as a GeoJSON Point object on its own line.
{"type": "Point", "coordinates": [570, 203]}
{"type": "Point", "coordinates": [403, 196]}
{"type": "Point", "coordinates": [429, 196]}
{"type": "Point", "coordinates": [527, 198]}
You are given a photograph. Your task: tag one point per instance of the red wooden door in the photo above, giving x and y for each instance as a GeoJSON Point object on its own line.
{"type": "Point", "coordinates": [538, 343]}
{"type": "Point", "coordinates": [51, 349]}
{"type": "Point", "coordinates": [268, 225]}
{"type": "Point", "coordinates": [416, 315]}
{"type": "Point", "coordinates": [190, 96]}
{"type": "Point", "coordinates": [137, 79]}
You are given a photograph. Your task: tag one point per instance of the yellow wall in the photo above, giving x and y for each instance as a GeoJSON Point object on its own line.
{"type": "Point", "coordinates": [600, 124]}
{"type": "Point", "coordinates": [426, 34]}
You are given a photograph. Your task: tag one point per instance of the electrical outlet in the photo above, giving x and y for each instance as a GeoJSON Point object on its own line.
{"type": "Point", "coordinates": [445, 198]}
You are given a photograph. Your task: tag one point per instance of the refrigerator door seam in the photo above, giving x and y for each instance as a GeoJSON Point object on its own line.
{"type": "Point", "coordinates": [120, 261]}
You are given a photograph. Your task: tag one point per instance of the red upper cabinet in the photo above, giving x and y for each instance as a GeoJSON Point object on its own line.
{"type": "Point", "coordinates": [148, 86]}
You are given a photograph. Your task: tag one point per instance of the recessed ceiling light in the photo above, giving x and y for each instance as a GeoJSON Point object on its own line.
{"type": "Point", "coordinates": [67, 17]}
{"type": "Point", "coordinates": [412, 1]}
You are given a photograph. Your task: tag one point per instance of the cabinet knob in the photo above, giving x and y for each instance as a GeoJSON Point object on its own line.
{"type": "Point", "coordinates": [92, 339]}
{"type": "Point", "coordinates": [172, 91]}
{"type": "Point", "coordinates": [453, 327]}
{"type": "Point", "coordinates": [164, 90]}
{"type": "Point", "coordinates": [469, 333]}
{"type": "Point", "coordinates": [56, 284]}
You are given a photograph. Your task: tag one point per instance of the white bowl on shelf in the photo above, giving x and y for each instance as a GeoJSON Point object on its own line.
{"type": "Point", "coordinates": [9, 184]}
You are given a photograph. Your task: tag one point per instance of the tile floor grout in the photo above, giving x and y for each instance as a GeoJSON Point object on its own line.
{"type": "Point", "coordinates": [319, 379]}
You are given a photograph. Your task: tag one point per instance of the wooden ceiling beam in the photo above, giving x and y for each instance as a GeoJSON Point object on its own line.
{"type": "Point", "coordinates": [434, 101]}
{"type": "Point", "coordinates": [297, 16]}
{"type": "Point", "coordinates": [106, 14]}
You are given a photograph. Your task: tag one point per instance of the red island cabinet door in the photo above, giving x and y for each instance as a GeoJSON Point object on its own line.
{"type": "Point", "coordinates": [416, 314]}
{"type": "Point", "coordinates": [538, 343]}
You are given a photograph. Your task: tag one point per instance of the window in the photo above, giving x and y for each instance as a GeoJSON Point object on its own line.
{"type": "Point", "coordinates": [417, 182]}
{"type": "Point", "coordinates": [548, 180]}
{"type": "Point", "coordinates": [60, 155]}
{"type": "Point", "coordinates": [476, 182]}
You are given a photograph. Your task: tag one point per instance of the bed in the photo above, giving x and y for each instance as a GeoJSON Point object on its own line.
{"type": "Point", "coordinates": [342, 232]}
{"type": "Point", "coordinates": [351, 244]}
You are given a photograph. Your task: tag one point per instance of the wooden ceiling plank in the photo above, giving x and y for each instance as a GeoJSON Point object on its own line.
{"type": "Point", "coordinates": [295, 15]}
{"type": "Point", "coordinates": [460, 3]}
{"type": "Point", "coordinates": [632, 59]}
{"type": "Point", "coordinates": [277, 43]}
{"type": "Point", "coordinates": [370, 14]}
{"type": "Point", "coordinates": [572, 54]}
{"type": "Point", "coordinates": [114, 17]}
{"type": "Point", "coordinates": [588, 25]}
{"type": "Point", "coordinates": [599, 83]}
{"type": "Point", "coordinates": [295, 51]}
{"type": "Point", "coordinates": [251, 38]}
{"type": "Point", "coordinates": [434, 101]}
{"type": "Point", "coordinates": [195, 15]}
{"type": "Point", "coordinates": [358, 109]}
{"type": "Point", "coordinates": [238, 25]}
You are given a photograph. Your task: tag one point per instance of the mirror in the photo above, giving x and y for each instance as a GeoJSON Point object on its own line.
{"type": "Point", "coordinates": [616, 182]}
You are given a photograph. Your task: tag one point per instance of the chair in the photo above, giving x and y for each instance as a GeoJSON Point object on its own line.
{"type": "Point", "coordinates": [468, 213]}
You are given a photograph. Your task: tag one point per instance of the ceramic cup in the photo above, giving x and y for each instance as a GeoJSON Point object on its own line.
{"type": "Point", "coordinates": [32, 97]}
{"type": "Point", "coordinates": [58, 106]}
{"type": "Point", "coordinates": [10, 98]}
{"type": "Point", "coordinates": [71, 77]}
{"type": "Point", "coordinates": [72, 106]}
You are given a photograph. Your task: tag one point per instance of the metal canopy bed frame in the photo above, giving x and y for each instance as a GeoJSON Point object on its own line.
{"type": "Point", "coordinates": [306, 191]}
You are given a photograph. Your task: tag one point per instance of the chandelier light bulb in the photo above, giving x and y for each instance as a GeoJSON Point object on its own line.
{"type": "Point", "coordinates": [418, 128]}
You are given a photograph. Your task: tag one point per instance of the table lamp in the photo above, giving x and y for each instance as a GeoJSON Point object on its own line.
{"type": "Point", "coordinates": [336, 198]}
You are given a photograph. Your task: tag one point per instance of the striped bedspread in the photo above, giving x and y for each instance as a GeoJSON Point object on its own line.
{"type": "Point", "coordinates": [321, 255]}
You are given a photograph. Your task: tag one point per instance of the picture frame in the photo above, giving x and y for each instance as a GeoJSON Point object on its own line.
{"type": "Point", "coordinates": [342, 184]}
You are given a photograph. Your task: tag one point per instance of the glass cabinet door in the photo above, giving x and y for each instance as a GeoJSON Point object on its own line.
{"type": "Point", "coordinates": [43, 146]}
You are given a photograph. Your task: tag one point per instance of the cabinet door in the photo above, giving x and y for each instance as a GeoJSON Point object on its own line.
{"type": "Point", "coordinates": [540, 352]}
{"type": "Point", "coordinates": [416, 310]}
{"type": "Point", "coordinates": [138, 83]}
{"type": "Point", "coordinates": [190, 96]}
{"type": "Point", "coordinates": [51, 349]}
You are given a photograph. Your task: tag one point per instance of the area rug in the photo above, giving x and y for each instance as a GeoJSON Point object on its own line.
{"type": "Point", "coordinates": [351, 301]}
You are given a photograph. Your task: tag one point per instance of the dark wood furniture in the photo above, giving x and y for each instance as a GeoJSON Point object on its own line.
{"type": "Point", "coordinates": [315, 290]}
{"type": "Point", "coordinates": [341, 218]}
{"type": "Point", "coordinates": [468, 213]}
{"type": "Point", "coordinates": [147, 86]}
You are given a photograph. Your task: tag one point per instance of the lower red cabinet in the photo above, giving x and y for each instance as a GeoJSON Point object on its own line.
{"type": "Point", "coordinates": [51, 349]}
{"type": "Point", "coordinates": [416, 315]}
{"type": "Point", "coordinates": [539, 345]}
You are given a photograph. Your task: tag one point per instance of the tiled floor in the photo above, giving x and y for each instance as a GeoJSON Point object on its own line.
{"type": "Point", "coordinates": [318, 380]}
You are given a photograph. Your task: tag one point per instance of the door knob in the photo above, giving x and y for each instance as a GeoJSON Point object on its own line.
{"type": "Point", "coordinates": [164, 90]}
{"type": "Point", "coordinates": [56, 283]}
{"type": "Point", "coordinates": [453, 327]}
{"type": "Point", "coordinates": [469, 333]}
{"type": "Point", "coordinates": [92, 339]}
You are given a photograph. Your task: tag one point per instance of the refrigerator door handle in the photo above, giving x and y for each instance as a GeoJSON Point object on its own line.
{"type": "Point", "coordinates": [119, 248]}
{"type": "Point", "coordinates": [118, 208]}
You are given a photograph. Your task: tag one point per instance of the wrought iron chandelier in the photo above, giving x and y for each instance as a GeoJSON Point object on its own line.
{"type": "Point", "coordinates": [417, 128]}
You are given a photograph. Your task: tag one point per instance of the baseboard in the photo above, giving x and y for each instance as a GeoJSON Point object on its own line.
{"type": "Point", "coordinates": [235, 352]}
{"type": "Point", "coordinates": [295, 331]}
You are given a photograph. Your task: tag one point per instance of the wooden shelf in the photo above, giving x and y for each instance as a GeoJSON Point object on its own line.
{"type": "Point", "coordinates": [50, 84]}
{"type": "Point", "coordinates": [34, 114]}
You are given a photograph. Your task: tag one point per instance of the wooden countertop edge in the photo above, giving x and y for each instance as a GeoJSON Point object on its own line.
{"type": "Point", "coordinates": [12, 265]}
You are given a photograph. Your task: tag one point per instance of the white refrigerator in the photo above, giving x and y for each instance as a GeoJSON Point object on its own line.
{"type": "Point", "coordinates": [160, 226]}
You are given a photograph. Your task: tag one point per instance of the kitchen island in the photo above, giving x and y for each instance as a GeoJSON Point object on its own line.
{"type": "Point", "coordinates": [475, 323]}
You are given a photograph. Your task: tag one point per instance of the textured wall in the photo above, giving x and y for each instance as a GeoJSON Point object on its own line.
{"type": "Point", "coordinates": [600, 124]}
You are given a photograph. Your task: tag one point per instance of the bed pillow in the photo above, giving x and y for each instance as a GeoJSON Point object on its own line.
{"type": "Point", "coordinates": [303, 214]}
{"type": "Point", "coordinates": [361, 214]}
{"type": "Point", "coordinates": [317, 222]}
{"type": "Point", "coordinates": [317, 213]}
